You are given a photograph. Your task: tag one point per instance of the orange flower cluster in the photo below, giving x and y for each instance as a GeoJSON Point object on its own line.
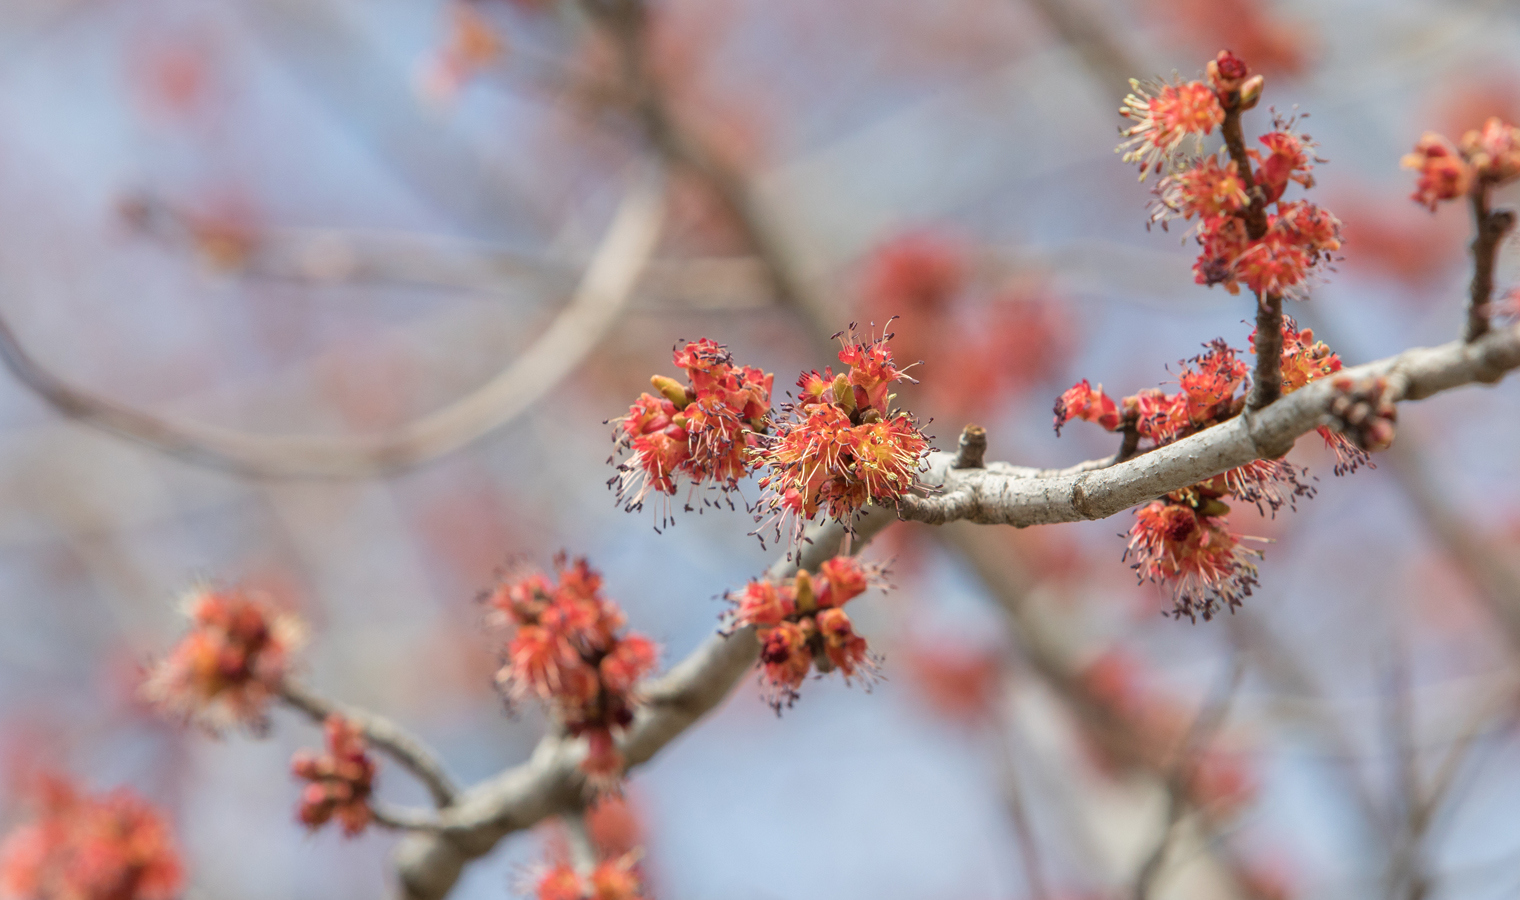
{"type": "Point", "coordinates": [802, 625]}
{"type": "Point", "coordinates": [110, 847]}
{"type": "Point", "coordinates": [567, 648]}
{"type": "Point", "coordinates": [842, 446]}
{"type": "Point", "coordinates": [229, 666]}
{"type": "Point", "coordinates": [1487, 157]}
{"type": "Point", "coordinates": [705, 430]}
{"type": "Point", "coordinates": [1298, 235]}
{"type": "Point", "coordinates": [342, 779]}
{"type": "Point", "coordinates": [612, 879]}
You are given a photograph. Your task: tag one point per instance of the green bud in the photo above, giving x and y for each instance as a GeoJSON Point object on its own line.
{"type": "Point", "coordinates": [672, 390]}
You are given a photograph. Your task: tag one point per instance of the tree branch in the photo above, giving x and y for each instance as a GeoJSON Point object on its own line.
{"type": "Point", "coordinates": [573, 334]}
{"type": "Point", "coordinates": [1003, 494]}
{"type": "Point", "coordinates": [395, 741]}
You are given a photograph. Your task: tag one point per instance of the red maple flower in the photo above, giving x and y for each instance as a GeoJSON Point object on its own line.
{"type": "Point", "coordinates": [705, 431]}
{"type": "Point", "coordinates": [1182, 543]}
{"type": "Point", "coordinates": [842, 446]}
{"type": "Point", "coordinates": [1165, 115]}
{"type": "Point", "coordinates": [341, 780]}
{"type": "Point", "coordinates": [802, 625]}
{"type": "Point", "coordinates": [114, 846]}
{"type": "Point", "coordinates": [1088, 403]}
{"type": "Point", "coordinates": [567, 647]}
{"type": "Point", "coordinates": [1444, 174]}
{"type": "Point", "coordinates": [230, 664]}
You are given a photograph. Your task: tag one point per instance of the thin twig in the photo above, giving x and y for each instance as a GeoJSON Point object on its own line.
{"type": "Point", "coordinates": [573, 334]}
{"type": "Point", "coordinates": [1180, 781]}
{"type": "Point", "coordinates": [403, 818]}
{"type": "Point", "coordinates": [395, 741]}
{"type": "Point", "coordinates": [1489, 228]}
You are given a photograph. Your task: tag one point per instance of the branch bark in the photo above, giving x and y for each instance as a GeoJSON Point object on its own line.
{"type": "Point", "coordinates": [1004, 494]}
{"type": "Point", "coordinates": [390, 738]}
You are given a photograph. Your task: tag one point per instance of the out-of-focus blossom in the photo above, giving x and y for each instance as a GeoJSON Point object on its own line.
{"type": "Point", "coordinates": [229, 666]}
{"type": "Point", "coordinates": [567, 647]}
{"type": "Point", "coordinates": [340, 780]}
{"type": "Point", "coordinates": [114, 846]}
{"type": "Point", "coordinates": [470, 46]}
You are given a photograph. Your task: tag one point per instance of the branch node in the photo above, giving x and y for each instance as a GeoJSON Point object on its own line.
{"type": "Point", "coordinates": [973, 448]}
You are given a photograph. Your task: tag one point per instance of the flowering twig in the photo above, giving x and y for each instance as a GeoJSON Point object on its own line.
{"type": "Point", "coordinates": [395, 741]}
{"type": "Point", "coordinates": [579, 327]}
{"type": "Point", "coordinates": [1013, 495]}
{"type": "Point", "coordinates": [551, 781]}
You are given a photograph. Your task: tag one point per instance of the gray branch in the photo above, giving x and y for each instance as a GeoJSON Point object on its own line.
{"type": "Point", "coordinates": [388, 737]}
{"type": "Point", "coordinates": [1003, 494]}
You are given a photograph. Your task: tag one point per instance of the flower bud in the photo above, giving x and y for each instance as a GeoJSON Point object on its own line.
{"type": "Point", "coordinates": [672, 390]}
{"type": "Point", "coordinates": [1250, 92]}
{"type": "Point", "coordinates": [844, 393]}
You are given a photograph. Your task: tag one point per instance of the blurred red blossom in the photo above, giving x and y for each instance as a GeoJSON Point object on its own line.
{"type": "Point", "coordinates": [340, 780]}
{"type": "Point", "coordinates": [113, 846]}
{"type": "Point", "coordinates": [230, 665]}
{"type": "Point", "coordinates": [567, 647]}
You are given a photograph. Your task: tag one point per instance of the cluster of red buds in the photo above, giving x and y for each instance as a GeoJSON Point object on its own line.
{"type": "Point", "coordinates": [341, 780]}
{"type": "Point", "coordinates": [802, 625]}
{"type": "Point", "coordinates": [114, 846]}
{"type": "Point", "coordinates": [568, 649]}
{"type": "Point", "coordinates": [1248, 233]}
{"type": "Point", "coordinates": [230, 664]}
{"type": "Point", "coordinates": [841, 446]}
{"type": "Point", "coordinates": [1183, 539]}
{"type": "Point", "coordinates": [704, 430]}
{"type": "Point", "coordinates": [1363, 413]}
{"type": "Point", "coordinates": [611, 879]}
{"type": "Point", "coordinates": [1485, 158]}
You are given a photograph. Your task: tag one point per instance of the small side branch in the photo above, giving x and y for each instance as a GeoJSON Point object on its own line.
{"type": "Point", "coordinates": [403, 818]}
{"type": "Point", "coordinates": [390, 738]}
{"type": "Point", "coordinates": [1490, 226]}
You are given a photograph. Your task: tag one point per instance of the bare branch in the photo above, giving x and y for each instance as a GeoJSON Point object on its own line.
{"type": "Point", "coordinates": [578, 328]}
{"type": "Point", "coordinates": [1011, 495]}
{"type": "Point", "coordinates": [402, 818]}
{"type": "Point", "coordinates": [1184, 770]}
{"type": "Point", "coordinates": [395, 741]}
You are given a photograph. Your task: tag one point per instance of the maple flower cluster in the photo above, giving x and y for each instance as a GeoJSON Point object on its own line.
{"type": "Point", "coordinates": [842, 446]}
{"type": "Point", "coordinates": [1183, 540]}
{"type": "Point", "coordinates": [568, 649]}
{"type": "Point", "coordinates": [1486, 157]}
{"type": "Point", "coordinates": [230, 664]}
{"type": "Point", "coordinates": [341, 780]}
{"type": "Point", "coordinates": [1248, 232]}
{"type": "Point", "coordinates": [114, 846]}
{"type": "Point", "coordinates": [802, 625]}
{"type": "Point", "coordinates": [703, 430]}
{"type": "Point", "coordinates": [612, 879]}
